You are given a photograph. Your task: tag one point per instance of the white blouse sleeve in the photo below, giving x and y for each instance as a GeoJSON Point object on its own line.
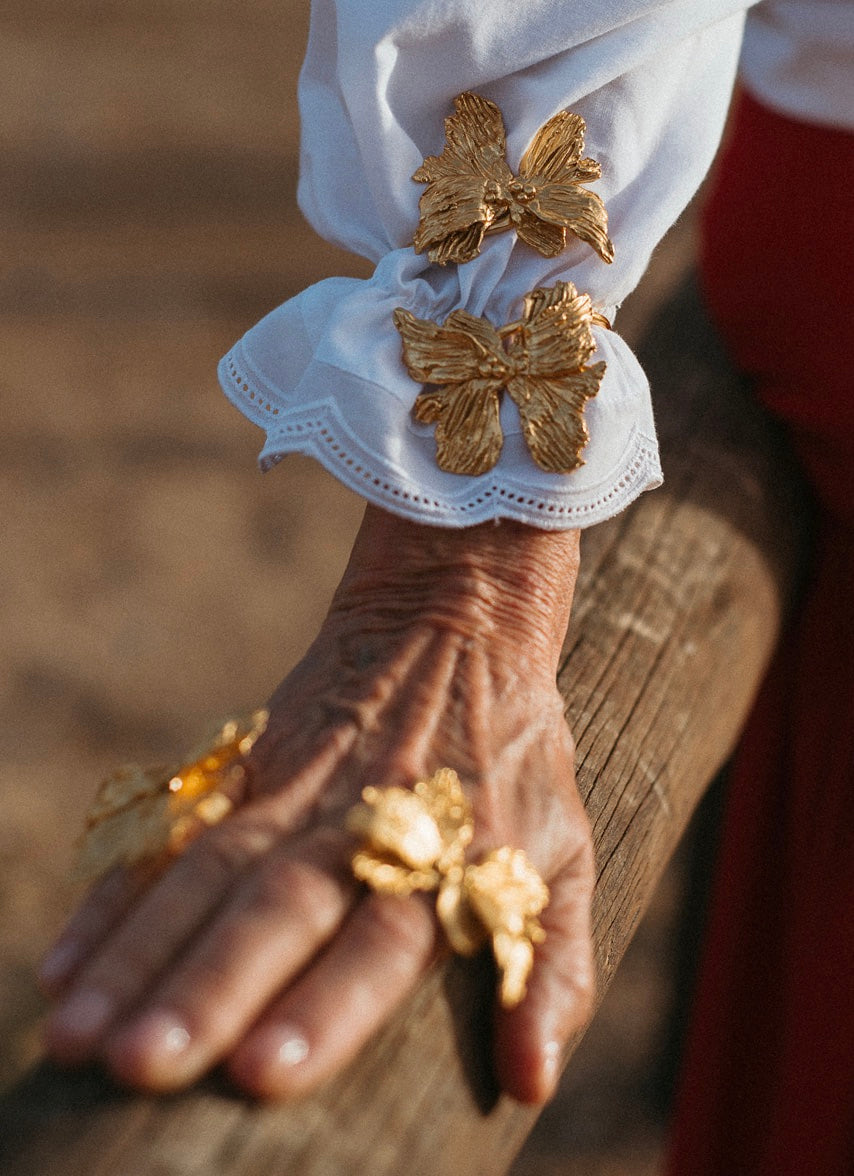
{"type": "Point", "coordinates": [798, 58]}
{"type": "Point", "coordinates": [324, 374]}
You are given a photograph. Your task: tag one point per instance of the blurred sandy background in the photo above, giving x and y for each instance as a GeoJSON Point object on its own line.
{"type": "Point", "coordinates": [151, 580]}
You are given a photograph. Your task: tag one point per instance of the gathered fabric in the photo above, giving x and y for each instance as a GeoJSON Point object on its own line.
{"type": "Point", "coordinates": [324, 375]}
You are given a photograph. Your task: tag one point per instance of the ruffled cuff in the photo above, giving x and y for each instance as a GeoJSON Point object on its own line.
{"type": "Point", "coordinates": [304, 375]}
{"type": "Point", "coordinates": [325, 373]}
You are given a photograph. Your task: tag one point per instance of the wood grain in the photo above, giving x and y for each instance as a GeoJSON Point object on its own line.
{"type": "Point", "coordinates": [678, 607]}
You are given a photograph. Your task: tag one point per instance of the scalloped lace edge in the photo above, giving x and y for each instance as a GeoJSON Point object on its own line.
{"type": "Point", "coordinates": [317, 431]}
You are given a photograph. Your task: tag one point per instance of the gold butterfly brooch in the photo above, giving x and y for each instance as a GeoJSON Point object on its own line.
{"type": "Point", "coordinates": [539, 360]}
{"type": "Point", "coordinates": [471, 190]}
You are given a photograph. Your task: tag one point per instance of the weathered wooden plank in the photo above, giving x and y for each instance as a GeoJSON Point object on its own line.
{"type": "Point", "coordinates": [677, 611]}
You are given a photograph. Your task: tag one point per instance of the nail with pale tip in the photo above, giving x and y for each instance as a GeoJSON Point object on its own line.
{"type": "Point", "coordinates": [267, 1056]}
{"type": "Point", "coordinates": [58, 964]}
{"type": "Point", "coordinates": [551, 1063]}
{"type": "Point", "coordinates": [270, 1052]}
{"type": "Point", "coordinates": [81, 1018]}
{"type": "Point", "coordinates": [293, 1050]}
{"type": "Point", "coordinates": [159, 1033]}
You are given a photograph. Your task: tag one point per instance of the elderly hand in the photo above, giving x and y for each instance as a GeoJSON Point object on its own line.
{"type": "Point", "coordinates": [257, 946]}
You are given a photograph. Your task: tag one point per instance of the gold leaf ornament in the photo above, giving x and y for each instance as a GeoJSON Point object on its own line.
{"type": "Point", "coordinates": [507, 895]}
{"type": "Point", "coordinates": [151, 814]}
{"type": "Point", "coordinates": [541, 361]}
{"type": "Point", "coordinates": [416, 841]}
{"type": "Point", "coordinates": [471, 190]}
{"type": "Point", "coordinates": [411, 838]}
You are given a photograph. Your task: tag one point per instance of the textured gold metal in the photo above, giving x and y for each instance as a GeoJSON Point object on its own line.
{"type": "Point", "coordinates": [149, 814]}
{"type": "Point", "coordinates": [540, 361]}
{"type": "Point", "coordinates": [417, 841]}
{"type": "Point", "coordinates": [507, 895]}
{"type": "Point", "coordinates": [411, 838]}
{"type": "Point", "coordinates": [471, 190]}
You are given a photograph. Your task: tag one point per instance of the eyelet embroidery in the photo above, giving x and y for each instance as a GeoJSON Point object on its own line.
{"type": "Point", "coordinates": [314, 430]}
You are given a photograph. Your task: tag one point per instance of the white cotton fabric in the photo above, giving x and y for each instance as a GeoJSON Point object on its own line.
{"type": "Point", "coordinates": [799, 59]}
{"type": "Point", "coordinates": [323, 374]}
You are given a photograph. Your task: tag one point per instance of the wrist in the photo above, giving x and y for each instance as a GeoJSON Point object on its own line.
{"type": "Point", "coordinates": [506, 583]}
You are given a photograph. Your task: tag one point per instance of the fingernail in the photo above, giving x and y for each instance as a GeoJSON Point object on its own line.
{"type": "Point", "coordinates": [266, 1059]}
{"type": "Point", "coordinates": [551, 1064]}
{"type": "Point", "coordinates": [59, 963]}
{"type": "Point", "coordinates": [293, 1047]}
{"type": "Point", "coordinates": [81, 1018]}
{"type": "Point", "coordinates": [159, 1032]}
{"type": "Point", "coordinates": [278, 1047]}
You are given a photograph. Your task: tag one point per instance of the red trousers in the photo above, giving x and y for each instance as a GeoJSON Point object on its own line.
{"type": "Point", "coordinates": [768, 1082]}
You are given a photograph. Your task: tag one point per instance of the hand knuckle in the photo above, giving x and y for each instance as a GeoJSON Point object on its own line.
{"type": "Point", "coordinates": [284, 882]}
{"type": "Point", "coordinates": [397, 929]}
{"type": "Point", "coordinates": [227, 850]}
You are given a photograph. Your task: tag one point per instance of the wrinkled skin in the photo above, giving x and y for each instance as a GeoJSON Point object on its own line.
{"type": "Point", "coordinates": [256, 947]}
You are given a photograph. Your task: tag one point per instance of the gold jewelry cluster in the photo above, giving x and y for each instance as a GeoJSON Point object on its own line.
{"type": "Point", "coordinates": [417, 840]}
{"type": "Point", "coordinates": [151, 814]}
{"type": "Point", "coordinates": [541, 360]}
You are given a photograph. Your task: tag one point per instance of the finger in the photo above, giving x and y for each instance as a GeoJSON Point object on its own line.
{"type": "Point", "coordinates": [129, 961]}
{"type": "Point", "coordinates": [283, 914]}
{"type": "Point", "coordinates": [131, 957]}
{"type": "Point", "coordinates": [530, 1039]}
{"type": "Point", "coordinates": [104, 905]}
{"type": "Point", "coordinates": [324, 1019]}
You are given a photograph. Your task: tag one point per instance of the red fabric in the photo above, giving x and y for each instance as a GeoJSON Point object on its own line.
{"type": "Point", "coordinates": [768, 1082]}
